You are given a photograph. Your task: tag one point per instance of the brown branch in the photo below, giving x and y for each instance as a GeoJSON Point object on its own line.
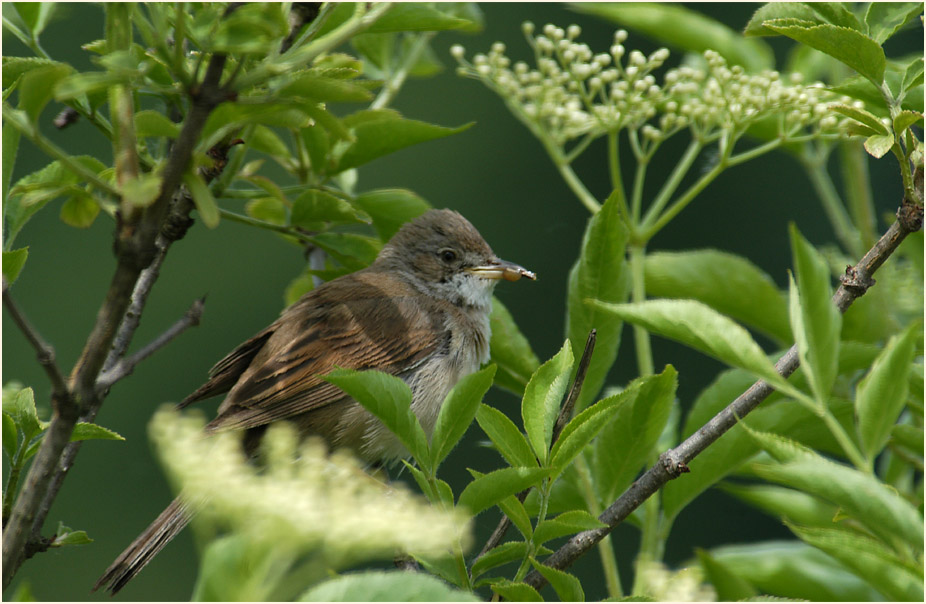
{"type": "Point", "coordinates": [674, 462]}
{"type": "Point", "coordinates": [565, 413]}
{"type": "Point", "coordinates": [135, 250]}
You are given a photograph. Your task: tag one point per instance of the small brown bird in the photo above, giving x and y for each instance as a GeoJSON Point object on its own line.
{"type": "Point", "coordinates": [419, 312]}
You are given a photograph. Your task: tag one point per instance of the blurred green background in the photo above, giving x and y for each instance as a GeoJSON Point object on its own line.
{"type": "Point", "coordinates": [495, 173]}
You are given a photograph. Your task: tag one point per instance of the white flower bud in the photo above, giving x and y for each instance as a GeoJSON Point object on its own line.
{"type": "Point", "coordinates": [457, 51]}
{"type": "Point", "coordinates": [498, 48]}
{"type": "Point", "coordinates": [620, 35]}
{"type": "Point", "coordinates": [573, 31]}
{"type": "Point", "coordinates": [528, 28]}
{"type": "Point", "coordinates": [617, 51]}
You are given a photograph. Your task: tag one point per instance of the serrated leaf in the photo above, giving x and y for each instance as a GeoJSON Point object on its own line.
{"type": "Point", "coordinates": [851, 47]}
{"type": "Point", "coordinates": [515, 591]}
{"type": "Point", "coordinates": [499, 556]}
{"type": "Point", "coordinates": [71, 538]}
{"type": "Point", "coordinates": [882, 393]}
{"type": "Point", "coordinates": [542, 399]}
{"type": "Point", "coordinates": [457, 413]}
{"type": "Point", "coordinates": [389, 399]}
{"type": "Point", "coordinates": [202, 198]}
{"type": "Point", "coordinates": [21, 406]}
{"type": "Point", "coordinates": [702, 328]}
{"type": "Point", "coordinates": [510, 442]}
{"type": "Point", "coordinates": [787, 504]}
{"type": "Point", "coordinates": [390, 209]}
{"type": "Point", "coordinates": [268, 209]}
{"type": "Point", "coordinates": [380, 586]}
{"type": "Point", "coordinates": [686, 29]}
{"type": "Point", "coordinates": [628, 443]}
{"type": "Point", "coordinates": [316, 87]}
{"type": "Point", "coordinates": [836, 13]}
{"type": "Point", "coordinates": [385, 135]}
{"type": "Point", "coordinates": [815, 320]}
{"type": "Point", "coordinates": [884, 19]}
{"type": "Point", "coordinates": [879, 144]}
{"type": "Point", "coordinates": [868, 559]}
{"type": "Point", "coordinates": [85, 83]}
{"type": "Point", "coordinates": [510, 350]}
{"type": "Point", "coordinates": [908, 436]}
{"type": "Point", "coordinates": [600, 272]}
{"type": "Point", "coordinates": [15, 67]}
{"type": "Point", "coordinates": [36, 15]}
{"type": "Point", "coordinates": [88, 431]}
{"type": "Point", "coordinates": [13, 262]}
{"type": "Point", "coordinates": [415, 16]}
{"type": "Point", "coordinates": [777, 10]}
{"type": "Point", "coordinates": [37, 87]}
{"type": "Point", "coordinates": [314, 209]}
{"type": "Point", "coordinates": [861, 496]}
{"type": "Point", "coordinates": [726, 282]}
{"type": "Point", "coordinates": [581, 429]}
{"type": "Point", "coordinates": [793, 569]}
{"type": "Point", "coordinates": [265, 140]}
{"type": "Point", "coordinates": [142, 190]}
{"type": "Point", "coordinates": [913, 75]}
{"type": "Point", "coordinates": [153, 123]}
{"type": "Point", "coordinates": [905, 119]}
{"type": "Point", "coordinates": [566, 585]}
{"type": "Point", "coordinates": [567, 523]}
{"type": "Point", "coordinates": [487, 490]}
{"type": "Point", "coordinates": [862, 116]}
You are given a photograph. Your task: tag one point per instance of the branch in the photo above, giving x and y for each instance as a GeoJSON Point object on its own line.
{"type": "Point", "coordinates": [135, 250]}
{"type": "Point", "coordinates": [565, 413]}
{"type": "Point", "coordinates": [674, 462]}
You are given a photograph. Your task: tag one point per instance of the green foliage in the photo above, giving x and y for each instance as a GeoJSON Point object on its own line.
{"type": "Point", "coordinates": [374, 586]}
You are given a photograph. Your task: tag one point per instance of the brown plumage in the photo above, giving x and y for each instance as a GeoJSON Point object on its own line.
{"type": "Point", "coordinates": [419, 312]}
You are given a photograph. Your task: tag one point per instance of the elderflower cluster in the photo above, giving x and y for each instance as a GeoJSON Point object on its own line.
{"type": "Point", "coordinates": [301, 497]}
{"type": "Point", "coordinates": [685, 585]}
{"type": "Point", "coordinates": [573, 91]}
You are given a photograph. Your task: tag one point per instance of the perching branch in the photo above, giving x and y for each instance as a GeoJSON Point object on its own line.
{"type": "Point", "coordinates": [674, 462]}
{"type": "Point", "coordinates": [565, 413]}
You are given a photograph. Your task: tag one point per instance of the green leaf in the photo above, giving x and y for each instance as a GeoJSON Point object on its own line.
{"type": "Point", "coordinates": [728, 283]}
{"type": "Point", "coordinates": [153, 123]}
{"type": "Point", "coordinates": [390, 209]}
{"type": "Point", "coordinates": [868, 559]}
{"type": "Point", "coordinates": [314, 86]}
{"type": "Point", "coordinates": [791, 569]}
{"type": "Point", "coordinates": [581, 429]}
{"type": "Point", "coordinates": [884, 19]}
{"type": "Point", "coordinates": [265, 140]}
{"type": "Point", "coordinates": [908, 436]}
{"type": "Point", "coordinates": [80, 210]}
{"type": "Point", "coordinates": [860, 495]}
{"type": "Point", "coordinates": [13, 262]}
{"type": "Point", "coordinates": [851, 47]}
{"type": "Point", "coordinates": [784, 503]}
{"type": "Point", "coordinates": [506, 437]}
{"type": "Point", "coordinates": [498, 556]}
{"type": "Point", "coordinates": [861, 116]}
{"type": "Point", "coordinates": [836, 13]}
{"type": "Point", "coordinates": [686, 29]}
{"type": "Point", "coordinates": [10, 435]}
{"type": "Point", "coordinates": [878, 145]}
{"type": "Point", "coordinates": [457, 412]}
{"type": "Point", "coordinates": [512, 507]}
{"type": "Point", "coordinates": [913, 75]}
{"type": "Point", "coordinates": [415, 16]}
{"type": "Point", "coordinates": [252, 28]}
{"type": "Point", "coordinates": [380, 586]}
{"type": "Point", "coordinates": [14, 67]}
{"type": "Point", "coordinates": [516, 591]}
{"type": "Point", "coordinates": [510, 350]}
{"type": "Point", "coordinates": [881, 394]}
{"type": "Point", "coordinates": [383, 133]}
{"type": "Point", "coordinates": [36, 15]}
{"type": "Point", "coordinates": [777, 10]}
{"type": "Point", "coordinates": [815, 320]}
{"type": "Point", "coordinates": [67, 536]}
{"type": "Point", "coordinates": [88, 431]}
{"type": "Point", "coordinates": [487, 490]}
{"type": "Point", "coordinates": [86, 83]}
{"type": "Point", "coordinates": [202, 198]}
{"type": "Point", "coordinates": [268, 209]}
{"type": "Point", "coordinates": [389, 399]}
{"type": "Point", "coordinates": [567, 523]}
{"type": "Point", "coordinates": [350, 249]}
{"type": "Point", "coordinates": [314, 209]}
{"type": "Point", "coordinates": [628, 443]}
{"type": "Point", "coordinates": [600, 272]}
{"type": "Point", "coordinates": [143, 190]}
{"type": "Point", "coordinates": [21, 406]}
{"type": "Point", "coordinates": [542, 399]}
{"type": "Point", "coordinates": [730, 586]}
{"type": "Point", "coordinates": [37, 87]}
{"type": "Point", "coordinates": [702, 328]}
{"type": "Point", "coordinates": [905, 119]}
{"type": "Point", "coordinates": [566, 585]}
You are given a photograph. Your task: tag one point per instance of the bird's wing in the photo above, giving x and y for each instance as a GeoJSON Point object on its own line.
{"type": "Point", "coordinates": [225, 373]}
{"type": "Point", "coordinates": [369, 329]}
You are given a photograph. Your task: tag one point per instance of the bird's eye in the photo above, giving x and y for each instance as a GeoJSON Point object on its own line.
{"type": "Point", "coordinates": [447, 255]}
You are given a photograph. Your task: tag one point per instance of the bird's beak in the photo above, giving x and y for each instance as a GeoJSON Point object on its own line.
{"type": "Point", "coordinates": [500, 269]}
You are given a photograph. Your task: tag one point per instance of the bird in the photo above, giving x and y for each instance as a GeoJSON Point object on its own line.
{"type": "Point", "coordinates": [420, 312]}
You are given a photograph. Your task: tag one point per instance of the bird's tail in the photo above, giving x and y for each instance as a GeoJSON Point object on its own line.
{"type": "Point", "coordinates": [145, 547]}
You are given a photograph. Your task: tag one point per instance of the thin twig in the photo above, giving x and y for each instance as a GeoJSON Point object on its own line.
{"type": "Point", "coordinates": [674, 462]}
{"type": "Point", "coordinates": [565, 413]}
{"type": "Point", "coordinates": [125, 366]}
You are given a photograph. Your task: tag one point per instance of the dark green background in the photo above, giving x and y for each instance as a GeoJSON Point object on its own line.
{"type": "Point", "coordinates": [495, 173]}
